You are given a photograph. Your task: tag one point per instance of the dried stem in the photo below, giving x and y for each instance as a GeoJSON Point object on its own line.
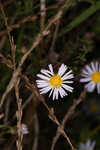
{"type": "Point", "coordinates": [55, 36]}
{"type": "Point", "coordinates": [36, 132]}
{"type": "Point", "coordinates": [25, 20]}
{"type": "Point", "coordinates": [15, 26]}
{"type": "Point", "coordinates": [42, 21]}
{"type": "Point", "coordinates": [16, 85]}
{"type": "Point", "coordinates": [10, 38]}
{"type": "Point", "coordinates": [35, 44]}
{"type": "Point", "coordinates": [19, 117]}
{"type": "Point", "coordinates": [43, 14]}
{"type": "Point", "coordinates": [18, 69]}
{"type": "Point", "coordinates": [67, 116]}
{"type": "Point", "coordinates": [52, 116]}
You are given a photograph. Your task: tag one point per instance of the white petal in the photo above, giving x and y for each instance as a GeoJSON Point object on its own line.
{"type": "Point", "coordinates": [51, 69]}
{"type": "Point", "coordinates": [65, 77]}
{"type": "Point", "coordinates": [51, 92]}
{"type": "Point", "coordinates": [90, 86]}
{"type": "Point", "coordinates": [96, 65]}
{"type": "Point", "coordinates": [82, 146]}
{"type": "Point", "coordinates": [55, 93]}
{"type": "Point", "coordinates": [45, 90]}
{"type": "Point", "coordinates": [98, 88]}
{"type": "Point", "coordinates": [99, 68]}
{"type": "Point", "coordinates": [67, 82]}
{"type": "Point", "coordinates": [89, 69]}
{"type": "Point", "coordinates": [93, 144]}
{"type": "Point", "coordinates": [41, 81]}
{"type": "Point", "coordinates": [85, 79]}
{"type": "Point", "coordinates": [46, 72]}
{"type": "Point", "coordinates": [62, 92]}
{"type": "Point", "coordinates": [67, 74]}
{"type": "Point", "coordinates": [62, 69]}
{"type": "Point", "coordinates": [87, 146]}
{"type": "Point", "coordinates": [93, 67]}
{"type": "Point", "coordinates": [88, 143]}
{"type": "Point", "coordinates": [42, 85]}
{"type": "Point", "coordinates": [43, 77]}
{"type": "Point", "coordinates": [85, 73]}
{"type": "Point", "coordinates": [68, 88]}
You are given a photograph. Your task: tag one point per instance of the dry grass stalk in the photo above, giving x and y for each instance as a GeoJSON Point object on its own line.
{"type": "Point", "coordinates": [19, 117]}
{"type": "Point", "coordinates": [16, 85]}
{"type": "Point", "coordinates": [51, 115]}
{"type": "Point", "coordinates": [68, 116]}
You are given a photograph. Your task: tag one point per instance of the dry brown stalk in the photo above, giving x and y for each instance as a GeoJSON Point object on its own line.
{"type": "Point", "coordinates": [19, 101]}
{"type": "Point", "coordinates": [1, 116]}
{"type": "Point", "coordinates": [7, 108]}
{"type": "Point", "coordinates": [33, 18]}
{"type": "Point", "coordinates": [35, 44]}
{"type": "Point", "coordinates": [42, 21]}
{"type": "Point", "coordinates": [19, 117]}
{"type": "Point", "coordinates": [13, 47]}
{"type": "Point", "coordinates": [18, 70]}
{"type": "Point", "coordinates": [6, 61]}
{"type": "Point", "coordinates": [43, 14]}
{"type": "Point", "coordinates": [67, 116]}
{"type": "Point", "coordinates": [53, 56]}
{"type": "Point", "coordinates": [14, 82]}
{"type": "Point", "coordinates": [36, 132]}
{"type": "Point", "coordinates": [51, 115]}
{"type": "Point", "coordinates": [17, 25]}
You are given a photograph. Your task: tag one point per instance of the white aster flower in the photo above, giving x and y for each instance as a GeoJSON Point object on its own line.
{"type": "Point", "coordinates": [55, 83]}
{"type": "Point", "coordinates": [91, 75]}
{"type": "Point", "coordinates": [24, 129]}
{"type": "Point", "coordinates": [87, 146]}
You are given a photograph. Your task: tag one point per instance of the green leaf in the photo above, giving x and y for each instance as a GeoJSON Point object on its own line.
{"type": "Point", "coordinates": [85, 15]}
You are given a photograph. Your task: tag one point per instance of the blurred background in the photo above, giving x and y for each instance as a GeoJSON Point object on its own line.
{"type": "Point", "coordinates": [74, 40]}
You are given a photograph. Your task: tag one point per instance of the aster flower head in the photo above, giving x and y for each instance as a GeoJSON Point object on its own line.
{"type": "Point", "coordinates": [56, 84]}
{"type": "Point", "coordinates": [87, 146]}
{"type": "Point", "coordinates": [92, 106]}
{"type": "Point", "coordinates": [91, 75]}
{"type": "Point", "coordinates": [24, 129]}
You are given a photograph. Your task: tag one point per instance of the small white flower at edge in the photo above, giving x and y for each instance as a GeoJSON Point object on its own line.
{"type": "Point", "coordinates": [91, 75]}
{"type": "Point", "coordinates": [56, 84]}
{"type": "Point", "coordinates": [24, 129]}
{"type": "Point", "coordinates": [87, 146]}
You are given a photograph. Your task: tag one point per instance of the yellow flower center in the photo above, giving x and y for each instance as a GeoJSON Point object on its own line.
{"type": "Point", "coordinates": [55, 81]}
{"type": "Point", "coordinates": [96, 77]}
{"type": "Point", "coordinates": [94, 108]}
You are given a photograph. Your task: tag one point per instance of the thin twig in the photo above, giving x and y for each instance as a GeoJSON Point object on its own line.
{"type": "Point", "coordinates": [15, 26]}
{"type": "Point", "coordinates": [52, 116]}
{"type": "Point", "coordinates": [43, 14]}
{"type": "Point", "coordinates": [33, 18]}
{"type": "Point", "coordinates": [19, 101]}
{"type": "Point", "coordinates": [55, 36]}
{"type": "Point", "coordinates": [19, 117]}
{"type": "Point", "coordinates": [18, 70]}
{"type": "Point", "coordinates": [53, 56]}
{"type": "Point", "coordinates": [67, 116]}
{"type": "Point", "coordinates": [36, 132]}
{"type": "Point", "coordinates": [42, 21]}
{"type": "Point", "coordinates": [7, 108]}
{"type": "Point", "coordinates": [35, 44]}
